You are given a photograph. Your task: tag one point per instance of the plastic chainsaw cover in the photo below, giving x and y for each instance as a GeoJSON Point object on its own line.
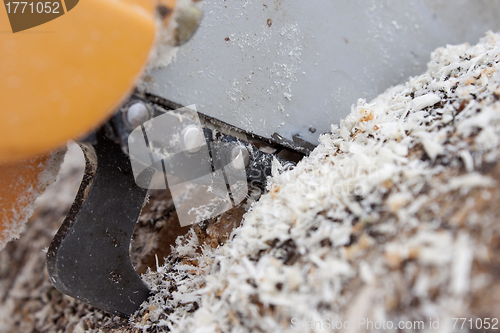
{"type": "Point", "coordinates": [295, 67]}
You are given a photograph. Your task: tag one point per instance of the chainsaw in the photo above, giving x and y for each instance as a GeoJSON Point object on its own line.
{"type": "Point", "coordinates": [228, 98]}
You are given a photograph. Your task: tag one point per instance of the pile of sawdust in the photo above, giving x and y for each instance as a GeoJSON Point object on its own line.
{"type": "Point", "coordinates": [391, 218]}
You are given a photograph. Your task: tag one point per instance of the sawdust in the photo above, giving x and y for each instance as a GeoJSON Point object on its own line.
{"type": "Point", "coordinates": [393, 211]}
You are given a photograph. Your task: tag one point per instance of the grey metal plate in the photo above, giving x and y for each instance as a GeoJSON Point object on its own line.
{"type": "Point", "coordinates": [296, 67]}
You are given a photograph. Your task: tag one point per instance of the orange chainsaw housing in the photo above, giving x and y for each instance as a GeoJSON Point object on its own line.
{"type": "Point", "coordinates": [61, 79]}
